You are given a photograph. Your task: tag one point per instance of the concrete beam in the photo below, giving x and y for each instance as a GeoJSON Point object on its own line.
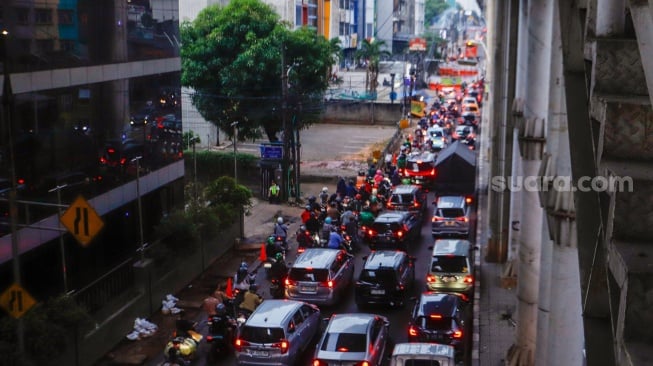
{"type": "Point", "coordinates": [617, 67]}
{"type": "Point", "coordinates": [640, 12]}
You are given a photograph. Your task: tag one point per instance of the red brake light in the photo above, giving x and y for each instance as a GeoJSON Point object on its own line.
{"type": "Point", "coordinates": [283, 345]}
{"type": "Point", "coordinates": [458, 334]}
{"type": "Point", "coordinates": [209, 338]}
{"type": "Point", "coordinates": [430, 278]}
{"type": "Point", "coordinates": [462, 219]}
{"type": "Point", "coordinates": [412, 331]}
{"type": "Point", "coordinates": [416, 204]}
{"type": "Point", "coordinates": [468, 200]}
{"type": "Point", "coordinates": [363, 363]}
{"type": "Point", "coordinates": [111, 150]}
{"type": "Point", "coordinates": [330, 284]}
{"type": "Point", "coordinates": [300, 250]}
{"type": "Point", "coordinates": [435, 316]}
{"type": "Point", "coordinates": [289, 282]}
{"type": "Point", "coordinates": [370, 232]}
{"type": "Point", "coordinates": [433, 170]}
{"type": "Point", "coordinates": [239, 343]}
{"type": "Point", "coordinates": [437, 218]}
{"type": "Point", "coordinates": [468, 279]}
{"type": "Point", "coordinates": [400, 233]}
{"type": "Point", "coordinates": [21, 181]}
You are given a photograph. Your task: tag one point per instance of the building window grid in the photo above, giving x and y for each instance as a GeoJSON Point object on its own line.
{"type": "Point", "coordinates": [22, 16]}
{"type": "Point", "coordinates": [43, 16]}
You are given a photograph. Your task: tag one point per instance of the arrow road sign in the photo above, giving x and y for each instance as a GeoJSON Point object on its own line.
{"type": "Point", "coordinates": [82, 221]}
{"type": "Point", "coordinates": [16, 301]}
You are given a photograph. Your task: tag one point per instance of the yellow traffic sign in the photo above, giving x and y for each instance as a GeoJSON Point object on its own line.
{"type": "Point", "coordinates": [16, 300]}
{"type": "Point", "coordinates": [82, 221]}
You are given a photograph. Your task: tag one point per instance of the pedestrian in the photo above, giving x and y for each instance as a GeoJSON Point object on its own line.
{"type": "Point", "coordinates": [274, 191]}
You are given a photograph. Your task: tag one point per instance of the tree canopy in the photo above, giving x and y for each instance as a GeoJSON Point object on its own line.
{"type": "Point", "coordinates": [372, 51]}
{"type": "Point", "coordinates": [232, 58]}
{"type": "Point", "coordinates": [433, 9]}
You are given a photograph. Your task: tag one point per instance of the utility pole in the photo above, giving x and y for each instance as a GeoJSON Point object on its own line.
{"type": "Point", "coordinates": [62, 247]}
{"type": "Point", "coordinates": [141, 246]}
{"type": "Point", "coordinates": [285, 125]}
{"type": "Point", "coordinates": [235, 126]}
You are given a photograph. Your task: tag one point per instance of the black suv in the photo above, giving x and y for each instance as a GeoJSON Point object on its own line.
{"type": "Point", "coordinates": [420, 168]}
{"type": "Point", "coordinates": [441, 318]}
{"type": "Point", "coordinates": [386, 278]}
{"type": "Point", "coordinates": [407, 197]}
{"type": "Point", "coordinates": [393, 230]}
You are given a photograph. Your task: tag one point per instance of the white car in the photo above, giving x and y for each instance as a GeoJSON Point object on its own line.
{"type": "Point", "coordinates": [438, 138]}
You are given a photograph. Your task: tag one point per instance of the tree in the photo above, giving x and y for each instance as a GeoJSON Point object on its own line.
{"type": "Point", "coordinates": [372, 51]}
{"type": "Point", "coordinates": [231, 57]}
{"type": "Point", "coordinates": [432, 10]}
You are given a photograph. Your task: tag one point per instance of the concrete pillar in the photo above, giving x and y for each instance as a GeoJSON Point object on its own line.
{"type": "Point", "coordinates": [610, 17]}
{"type": "Point", "coordinates": [532, 137]}
{"type": "Point", "coordinates": [522, 50]}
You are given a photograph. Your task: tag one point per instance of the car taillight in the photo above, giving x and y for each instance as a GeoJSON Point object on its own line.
{"type": "Point", "coordinates": [283, 345]}
{"type": "Point", "coordinates": [363, 363]}
{"type": "Point", "coordinates": [416, 204]}
{"type": "Point", "coordinates": [371, 232]}
{"type": "Point", "coordinates": [457, 334]}
{"type": "Point", "coordinates": [239, 344]}
{"type": "Point", "coordinates": [412, 331]}
{"type": "Point", "coordinates": [468, 200]}
{"type": "Point", "coordinates": [462, 219]}
{"type": "Point", "coordinates": [289, 282]}
{"type": "Point", "coordinates": [437, 218]}
{"type": "Point", "coordinates": [468, 279]}
{"type": "Point", "coordinates": [435, 316]}
{"type": "Point", "coordinates": [388, 205]}
{"type": "Point", "coordinates": [433, 171]}
{"type": "Point", "coordinates": [400, 233]}
{"type": "Point", "coordinates": [430, 278]}
{"type": "Point", "coordinates": [318, 363]}
{"type": "Point", "coordinates": [329, 284]}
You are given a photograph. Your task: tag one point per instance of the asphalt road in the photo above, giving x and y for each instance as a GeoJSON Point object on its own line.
{"type": "Point", "coordinates": [398, 317]}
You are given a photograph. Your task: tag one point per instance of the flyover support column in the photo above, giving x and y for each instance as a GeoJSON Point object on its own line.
{"type": "Point", "coordinates": [532, 139]}
{"type": "Point", "coordinates": [610, 17]}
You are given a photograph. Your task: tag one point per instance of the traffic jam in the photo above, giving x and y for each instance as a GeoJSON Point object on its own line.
{"type": "Point", "coordinates": [381, 270]}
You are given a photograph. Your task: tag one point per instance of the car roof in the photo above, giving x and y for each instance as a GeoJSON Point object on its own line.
{"type": "Point", "coordinates": [424, 156]}
{"type": "Point", "coordinates": [415, 348]}
{"type": "Point", "coordinates": [273, 313]}
{"type": "Point", "coordinates": [384, 258]}
{"type": "Point", "coordinates": [391, 216]}
{"type": "Point", "coordinates": [404, 188]}
{"type": "Point", "coordinates": [451, 247]}
{"type": "Point", "coordinates": [350, 323]}
{"type": "Point", "coordinates": [316, 258]}
{"type": "Point", "coordinates": [450, 201]}
{"type": "Point", "coordinates": [437, 303]}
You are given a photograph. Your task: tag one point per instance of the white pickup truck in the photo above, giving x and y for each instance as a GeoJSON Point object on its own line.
{"type": "Point", "coordinates": [422, 354]}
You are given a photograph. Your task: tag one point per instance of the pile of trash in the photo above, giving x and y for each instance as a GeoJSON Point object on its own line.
{"type": "Point", "coordinates": [169, 305]}
{"type": "Point", "coordinates": [142, 329]}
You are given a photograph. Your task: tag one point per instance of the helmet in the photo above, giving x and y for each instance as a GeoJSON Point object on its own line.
{"type": "Point", "coordinates": [358, 196]}
{"type": "Point", "coordinates": [379, 171]}
{"type": "Point", "coordinates": [271, 240]}
{"type": "Point", "coordinates": [221, 309]}
{"type": "Point", "coordinates": [302, 228]}
{"type": "Point", "coordinates": [373, 199]}
{"type": "Point", "coordinates": [243, 265]}
{"type": "Point", "coordinates": [253, 287]}
{"type": "Point", "coordinates": [278, 256]}
{"type": "Point", "coordinates": [325, 189]}
{"type": "Point", "coordinates": [280, 220]}
{"type": "Point", "coordinates": [308, 207]}
{"type": "Point", "coordinates": [312, 199]}
{"type": "Point", "coordinates": [327, 220]}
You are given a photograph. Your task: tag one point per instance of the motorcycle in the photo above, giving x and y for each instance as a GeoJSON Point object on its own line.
{"type": "Point", "coordinates": [219, 340]}
{"type": "Point", "coordinates": [305, 239]}
{"type": "Point", "coordinates": [277, 288]}
{"type": "Point", "coordinates": [182, 350]}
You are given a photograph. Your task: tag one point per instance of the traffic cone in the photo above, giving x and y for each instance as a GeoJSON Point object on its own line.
{"type": "Point", "coordinates": [264, 256]}
{"type": "Point", "coordinates": [230, 285]}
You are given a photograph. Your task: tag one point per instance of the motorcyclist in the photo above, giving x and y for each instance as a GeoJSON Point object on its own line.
{"type": "Point", "coordinates": [313, 224]}
{"type": "Point", "coordinates": [222, 323]}
{"type": "Point", "coordinates": [272, 247]}
{"type": "Point", "coordinates": [326, 228]}
{"type": "Point", "coordinates": [281, 230]}
{"type": "Point", "coordinates": [312, 202]}
{"type": "Point", "coordinates": [335, 239]}
{"type": "Point", "coordinates": [251, 300]}
{"type": "Point", "coordinates": [242, 278]}
{"type": "Point", "coordinates": [324, 196]}
{"type": "Point", "coordinates": [333, 213]}
{"type": "Point", "coordinates": [357, 203]}
{"type": "Point", "coordinates": [304, 238]}
{"type": "Point", "coordinates": [279, 268]}
{"type": "Point", "coordinates": [366, 218]}
{"type": "Point", "coordinates": [306, 214]}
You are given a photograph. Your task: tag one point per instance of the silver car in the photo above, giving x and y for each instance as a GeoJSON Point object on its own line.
{"type": "Point", "coordinates": [277, 333]}
{"type": "Point", "coordinates": [320, 276]}
{"type": "Point", "coordinates": [353, 340]}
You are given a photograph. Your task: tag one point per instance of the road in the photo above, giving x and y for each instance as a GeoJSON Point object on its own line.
{"type": "Point", "coordinates": [398, 317]}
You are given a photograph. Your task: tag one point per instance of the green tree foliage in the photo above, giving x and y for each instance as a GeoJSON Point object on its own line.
{"type": "Point", "coordinates": [432, 10]}
{"type": "Point", "coordinates": [372, 51]}
{"type": "Point", "coordinates": [232, 57]}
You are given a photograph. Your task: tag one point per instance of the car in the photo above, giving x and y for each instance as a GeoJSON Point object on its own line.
{"type": "Point", "coordinates": [469, 100]}
{"type": "Point", "coordinates": [393, 230]}
{"type": "Point", "coordinates": [440, 318]}
{"type": "Point", "coordinates": [451, 215]}
{"type": "Point", "coordinates": [437, 137]}
{"type": "Point", "coordinates": [277, 333]}
{"type": "Point", "coordinates": [422, 354]}
{"type": "Point", "coordinates": [353, 339]}
{"type": "Point", "coordinates": [451, 268]}
{"type": "Point", "coordinates": [142, 117]}
{"type": "Point", "coordinates": [407, 197]}
{"type": "Point", "coordinates": [386, 279]}
{"type": "Point", "coordinates": [320, 276]}
{"type": "Point", "coordinates": [420, 168]}
{"type": "Point", "coordinates": [463, 131]}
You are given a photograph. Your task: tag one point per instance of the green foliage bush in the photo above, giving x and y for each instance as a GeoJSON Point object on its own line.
{"type": "Point", "coordinates": [212, 164]}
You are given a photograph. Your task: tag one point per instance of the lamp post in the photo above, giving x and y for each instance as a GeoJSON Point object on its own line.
{"type": "Point", "coordinates": [140, 207]}
{"type": "Point", "coordinates": [235, 126]}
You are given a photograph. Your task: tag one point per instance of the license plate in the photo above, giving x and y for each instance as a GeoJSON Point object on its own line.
{"type": "Point", "coordinates": [449, 223]}
{"type": "Point", "coordinates": [377, 292]}
{"type": "Point", "coordinates": [307, 289]}
{"type": "Point", "coordinates": [449, 279]}
{"type": "Point", "coordinates": [259, 353]}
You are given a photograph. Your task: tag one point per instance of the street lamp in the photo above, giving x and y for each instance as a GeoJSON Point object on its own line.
{"type": "Point", "coordinates": [235, 126]}
{"type": "Point", "coordinates": [140, 207]}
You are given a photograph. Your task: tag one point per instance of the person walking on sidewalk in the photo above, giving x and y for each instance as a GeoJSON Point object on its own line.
{"type": "Point", "coordinates": [274, 191]}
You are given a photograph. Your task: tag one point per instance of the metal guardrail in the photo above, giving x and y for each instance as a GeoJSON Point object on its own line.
{"type": "Point", "coordinates": [113, 283]}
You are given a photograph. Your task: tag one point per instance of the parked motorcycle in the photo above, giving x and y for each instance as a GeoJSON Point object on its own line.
{"type": "Point", "coordinates": [182, 350]}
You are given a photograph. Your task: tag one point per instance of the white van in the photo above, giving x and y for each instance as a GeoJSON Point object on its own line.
{"type": "Point", "coordinates": [422, 354]}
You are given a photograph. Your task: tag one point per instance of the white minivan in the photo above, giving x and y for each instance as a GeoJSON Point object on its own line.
{"type": "Point", "coordinates": [422, 354]}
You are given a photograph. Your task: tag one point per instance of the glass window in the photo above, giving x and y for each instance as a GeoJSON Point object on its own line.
{"type": "Point", "coordinates": [309, 275]}
{"type": "Point", "coordinates": [448, 264]}
{"type": "Point", "coordinates": [450, 213]}
{"type": "Point", "coordinates": [421, 363]}
{"type": "Point", "coordinates": [435, 322]}
{"type": "Point", "coordinates": [307, 311]}
{"type": "Point", "coordinates": [43, 16]}
{"type": "Point", "coordinates": [382, 276]}
{"type": "Point", "coordinates": [262, 334]}
{"type": "Point", "coordinates": [345, 342]}
{"type": "Point", "coordinates": [298, 318]}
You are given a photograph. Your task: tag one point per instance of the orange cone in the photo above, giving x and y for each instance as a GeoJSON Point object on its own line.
{"type": "Point", "coordinates": [264, 256]}
{"type": "Point", "coordinates": [229, 290]}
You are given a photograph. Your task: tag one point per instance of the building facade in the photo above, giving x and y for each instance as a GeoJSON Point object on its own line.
{"type": "Point", "coordinates": [96, 112]}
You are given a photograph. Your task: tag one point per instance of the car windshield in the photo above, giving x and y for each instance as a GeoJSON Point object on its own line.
{"type": "Point", "coordinates": [309, 274]}
{"type": "Point", "coordinates": [421, 166]}
{"type": "Point", "coordinates": [402, 198]}
{"type": "Point", "coordinates": [261, 334]}
{"type": "Point", "coordinates": [344, 342]}
{"type": "Point", "coordinates": [421, 363]}
{"type": "Point", "coordinates": [436, 133]}
{"type": "Point", "coordinates": [448, 264]}
{"type": "Point", "coordinates": [380, 276]}
{"type": "Point", "coordinates": [450, 212]}
{"type": "Point", "coordinates": [435, 322]}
